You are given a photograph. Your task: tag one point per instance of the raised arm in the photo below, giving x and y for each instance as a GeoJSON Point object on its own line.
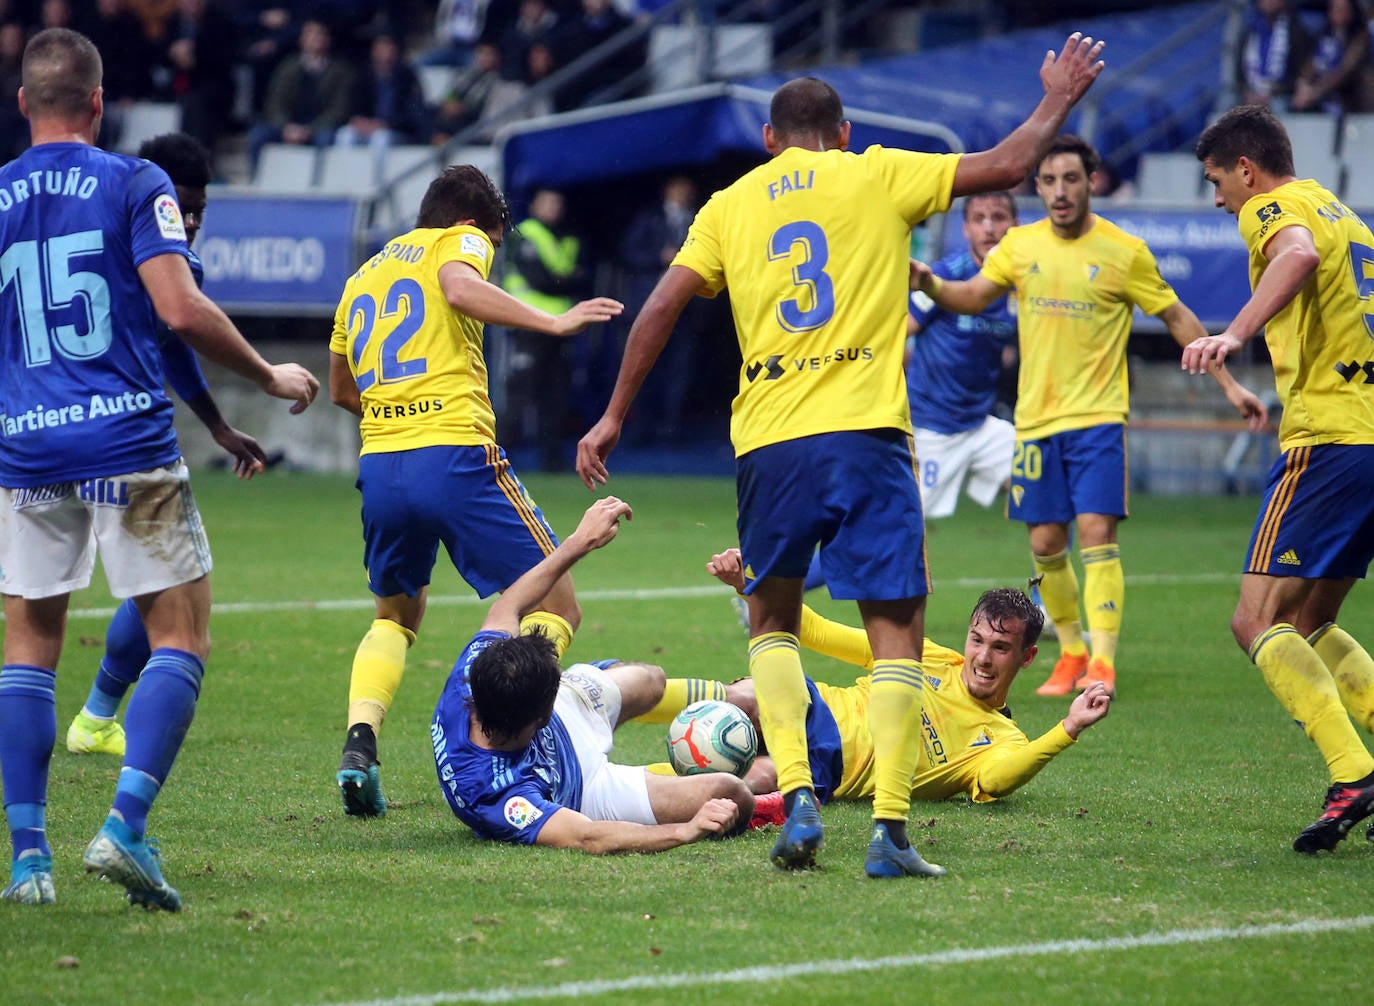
{"type": "Point", "coordinates": [569, 829]}
{"type": "Point", "coordinates": [466, 291]}
{"type": "Point", "coordinates": [197, 319]}
{"type": "Point", "coordinates": [598, 526]}
{"type": "Point", "coordinates": [1066, 77]}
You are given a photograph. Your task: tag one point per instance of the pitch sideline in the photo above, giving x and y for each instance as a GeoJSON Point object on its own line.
{"type": "Point", "coordinates": [649, 594]}
{"type": "Point", "coordinates": [780, 972]}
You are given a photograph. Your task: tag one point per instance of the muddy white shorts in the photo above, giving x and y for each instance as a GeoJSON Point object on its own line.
{"type": "Point", "coordinates": [145, 526]}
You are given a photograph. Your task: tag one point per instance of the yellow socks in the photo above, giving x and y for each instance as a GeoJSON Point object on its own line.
{"type": "Point", "coordinates": [1104, 595]}
{"type": "Point", "coordinates": [1351, 667]}
{"type": "Point", "coordinates": [1300, 681]}
{"type": "Point", "coordinates": [894, 720]}
{"type": "Point", "coordinates": [555, 627]}
{"type": "Point", "coordinates": [775, 665]}
{"type": "Point", "coordinates": [378, 665]}
{"type": "Point", "coordinates": [1059, 592]}
{"type": "Point", "coordinates": [678, 694]}
{"type": "Point", "coordinates": [835, 639]}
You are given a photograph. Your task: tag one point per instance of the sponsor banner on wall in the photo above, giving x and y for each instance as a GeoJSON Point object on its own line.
{"type": "Point", "coordinates": [276, 254]}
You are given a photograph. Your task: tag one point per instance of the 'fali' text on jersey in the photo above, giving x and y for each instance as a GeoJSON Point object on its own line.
{"type": "Point", "coordinates": [793, 181]}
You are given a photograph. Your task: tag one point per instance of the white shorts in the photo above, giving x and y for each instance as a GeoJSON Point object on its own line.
{"type": "Point", "coordinates": [981, 455]}
{"type": "Point", "coordinates": [588, 703]}
{"type": "Point", "coordinates": [145, 526]}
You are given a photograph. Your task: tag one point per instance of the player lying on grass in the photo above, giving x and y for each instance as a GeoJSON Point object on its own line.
{"type": "Point", "coordinates": [970, 743]}
{"type": "Point", "coordinates": [521, 746]}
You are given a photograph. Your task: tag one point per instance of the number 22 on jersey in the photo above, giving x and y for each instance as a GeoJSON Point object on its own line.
{"type": "Point", "coordinates": [401, 315]}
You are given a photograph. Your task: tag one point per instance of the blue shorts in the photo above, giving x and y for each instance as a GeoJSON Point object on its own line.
{"type": "Point", "coordinates": [468, 498]}
{"type": "Point", "coordinates": [1317, 521]}
{"type": "Point", "coordinates": [854, 494]}
{"type": "Point", "coordinates": [1055, 479]}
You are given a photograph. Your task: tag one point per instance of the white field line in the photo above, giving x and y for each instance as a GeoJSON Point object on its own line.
{"type": "Point", "coordinates": [764, 974]}
{"type": "Point", "coordinates": [653, 594]}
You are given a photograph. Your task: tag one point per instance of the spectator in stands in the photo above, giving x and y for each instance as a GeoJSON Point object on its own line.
{"type": "Point", "coordinates": [599, 21]}
{"type": "Point", "coordinates": [307, 100]}
{"type": "Point", "coordinates": [540, 63]}
{"type": "Point", "coordinates": [123, 47]}
{"type": "Point", "coordinates": [1273, 51]}
{"type": "Point", "coordinates": [467, 101]}
{"type": "Point", "coordinates": [387, 105]}
{"type": "Point", "coordinates": [199, 53]}
{"type": "Point", "coordinates": [652, 240]}
{"type": "Point", "coordinates": [1339, 75]}
{"type": "Point", "coordinates": [535, 23]}
{"type": "Point", "coordinates": [14, 128]}
{"type": "Point", "coordinates": [267, 29]}
{"type": "Point", "coordinates": [458, 26]}
{"type": "Point", "coordinates": [154, 15]}
{"type": "Point", "coordinates": [546, 269]}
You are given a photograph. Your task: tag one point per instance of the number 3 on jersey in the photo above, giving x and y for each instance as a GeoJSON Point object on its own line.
{"type": "Point", "coordinates": [809, 311]}
{"type": "Point", "coordinates": [403, 311]}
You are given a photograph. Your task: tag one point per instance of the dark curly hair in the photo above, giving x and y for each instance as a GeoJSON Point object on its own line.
{"type": "Point", "coordinates": [513, 683]}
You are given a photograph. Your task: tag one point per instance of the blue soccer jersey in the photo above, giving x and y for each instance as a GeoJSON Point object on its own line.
{"type": "Point", "coordinates": [956, 359]}
{"type": "Point", "coordinates": [81, 387]}
{"type": "Point", "coordinates": [503, 795]}
{"type": "Point", "coordinates": [179, 361]}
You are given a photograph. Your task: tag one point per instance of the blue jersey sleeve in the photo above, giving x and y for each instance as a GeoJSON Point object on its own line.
{"type": "Point", "coordinates": [516, 814]}
{"type": "Point", "coordinates": [155, 220]}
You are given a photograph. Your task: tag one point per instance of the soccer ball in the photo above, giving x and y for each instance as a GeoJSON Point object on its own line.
{"type": "Point", "coordinates": [712, 736]}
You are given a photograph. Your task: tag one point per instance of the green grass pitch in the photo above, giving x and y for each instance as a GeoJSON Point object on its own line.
{"type": "Point", "coordinates": [1160, 842]}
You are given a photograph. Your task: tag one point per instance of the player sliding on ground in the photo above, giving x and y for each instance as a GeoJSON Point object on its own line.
{"type": "Point", "coordinates": [521, 746]}
{"type": "Point", "coordinates": [969, 742]}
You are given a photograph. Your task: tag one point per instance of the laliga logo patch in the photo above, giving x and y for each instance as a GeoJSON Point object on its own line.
{"type": "Point", "coordinates": [520, 812]}
{"type": "Point", "coordinates": [168, 215]}
{"type": "Point", "coordinates": [1269, 212]}
{"type": "Point", "coordinates": [471, 244]}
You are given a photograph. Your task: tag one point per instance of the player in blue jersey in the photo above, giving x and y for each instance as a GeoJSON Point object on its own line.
{"type": "Point", "coordinates": [953, 366]}
{"type": "Point", "coordinates": [521, 746]}
{"type": "Point", "coordinates": [92, 253]}
{"type": "Point", "coordinates": [95, 730]}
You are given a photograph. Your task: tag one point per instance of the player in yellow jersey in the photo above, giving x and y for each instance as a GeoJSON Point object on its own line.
{"type": "Point", "coordinates": [969, 742]}
{"type": "Point", "coordinates": [813, 246]}
{"type": "Point", "coordinates": [406, 357]}
{"type": "Point", "coordinates": [1077, 278]}
{"type": "Point", "coordinates": [1312, 275]}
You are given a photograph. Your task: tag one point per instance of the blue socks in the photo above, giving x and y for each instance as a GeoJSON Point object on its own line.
{"type": "Point", "coordinates": [159, 715]}
{"type": "Point", "coordinates": [126, 653]}
{"type": "Point", "coordinates": [28, 730]}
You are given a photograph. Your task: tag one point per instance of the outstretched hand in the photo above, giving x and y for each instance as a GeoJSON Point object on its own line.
{"type": "Point", "coordinates": [1070, 73]}
{"type": "Point", "coordinates": [601, 522]}
{"type": "Point", "coordinates": [1091, 705]}
{"type": "Point", "coordinates": [249, 457]}
{"type": "Point", "coordinates": [292, 381]}
{"type": "Point", "coordinates": [728, 568]}
{"type": "Point", "coordinates": [593, 450]}
{"type": "Point", "coordinates": [585, 312]}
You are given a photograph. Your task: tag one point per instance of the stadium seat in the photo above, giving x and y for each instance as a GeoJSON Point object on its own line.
{"type": "Point", "coordinates": [406, 174]}
{"type": "Point", "coordinates": [1314, 147]}
{"type": "Point", "coordinates": [145, 119]}
{"type": "Point", "coordinates": [1169, 177]}
{"type": "Point", "coordinates": [435, 82]}
{"type": "Point", "coordinates": [1357, 151]}
{"type": "Point", "coordinates": [285, 167]}
{"type": "Point", "coordinates": [348, 171]}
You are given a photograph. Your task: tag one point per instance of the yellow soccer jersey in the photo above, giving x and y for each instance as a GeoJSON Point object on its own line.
{"type": "Point", "coordinates": [968, 747]}
{"type": "Point", "coordinates": [418, 362]}
{"type": "Point", "coordinates": [1073, 302]}
{"type": "Point", "coordinates": [813, 248]}
{"type": "Point", "coordinates": [1320, 341]}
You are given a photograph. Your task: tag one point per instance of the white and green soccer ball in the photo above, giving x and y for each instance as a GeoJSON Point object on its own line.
{"type": "Point", "coordinates": [712, 736]}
